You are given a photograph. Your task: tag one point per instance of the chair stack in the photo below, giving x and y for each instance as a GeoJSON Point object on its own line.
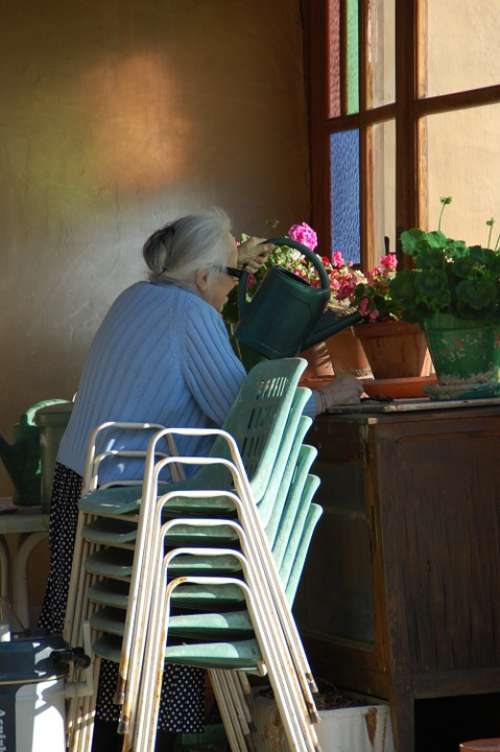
{"type": "Point", "coordinates": [202, 571]}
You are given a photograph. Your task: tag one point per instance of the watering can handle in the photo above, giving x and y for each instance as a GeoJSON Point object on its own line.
{"type": "Point", "coordinates": [304, 250]}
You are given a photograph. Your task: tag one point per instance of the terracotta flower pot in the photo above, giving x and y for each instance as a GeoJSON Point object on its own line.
{"type": "Point", "coordinates": [395, 349]}
{"type": "Point", "coordinates": [319, 363]}
{"type": "Point", "coordinates": [347, 354]}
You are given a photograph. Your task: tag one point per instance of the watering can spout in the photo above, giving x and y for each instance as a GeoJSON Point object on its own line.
{"type": "Point", "coordinates": [328, 325]}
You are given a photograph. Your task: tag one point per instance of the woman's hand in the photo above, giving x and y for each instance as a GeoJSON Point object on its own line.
{"type": "Point", "coordinates": [253, 253]}
{"type": "Point", "coordinates": [342, 390]}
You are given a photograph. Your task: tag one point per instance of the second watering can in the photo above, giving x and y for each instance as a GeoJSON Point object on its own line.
{"type": "Point", "coordinates": [30, 459]}
{"type": "Point", "coordinates": [287, 314]}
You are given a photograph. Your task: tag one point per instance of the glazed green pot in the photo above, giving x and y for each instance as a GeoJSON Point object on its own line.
{"type": "Point", "coordinates": [463, 350]}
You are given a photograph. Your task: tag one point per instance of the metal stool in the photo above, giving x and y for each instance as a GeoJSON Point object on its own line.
{"type": "Point", "coordinates": [481, 745]}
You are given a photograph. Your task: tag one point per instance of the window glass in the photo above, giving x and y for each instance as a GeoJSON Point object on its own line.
{"type": "Point", "coordinates": [344, 193]}
{"type": "Point", "coordinates": [343, 40]}
{"type": "Point", "coordinates": [334, 75]}
{"type": "Point", "coordinates": [462, 152]}
{"type": "Point", "coordinates": [461, 46]}
{"type": "Point", "coordinates": [381, 82]}
{"type": "Point", "coordinates": [382, 145]}
{"type": "Point", "coordinates": [352, 57]}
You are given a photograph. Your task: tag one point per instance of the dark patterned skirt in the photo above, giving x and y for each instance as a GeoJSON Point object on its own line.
{"type": "Point", "coordinates": [182, 697]}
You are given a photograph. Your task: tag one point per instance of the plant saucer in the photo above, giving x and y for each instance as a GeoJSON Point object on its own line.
{"type": "Point", "coordinates": [400, 388]}
{"type": "Point", "coordinates": [478, 390]}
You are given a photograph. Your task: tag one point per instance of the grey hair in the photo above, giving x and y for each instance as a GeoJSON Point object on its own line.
{"type": "Point", "coordinates": [196, 242]}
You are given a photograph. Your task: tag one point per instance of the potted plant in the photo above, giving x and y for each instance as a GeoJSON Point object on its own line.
{"type": "Point", "coordinates": [394, 348]}
{"type": "Point", "coordinates": [453, 292]}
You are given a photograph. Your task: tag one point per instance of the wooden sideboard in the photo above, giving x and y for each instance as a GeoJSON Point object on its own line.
{"type": "Point", "coordinates": [400, 597]}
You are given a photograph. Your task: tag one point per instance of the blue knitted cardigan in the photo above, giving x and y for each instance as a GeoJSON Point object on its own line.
{"type": "Point", "coordinates": [161, 355]}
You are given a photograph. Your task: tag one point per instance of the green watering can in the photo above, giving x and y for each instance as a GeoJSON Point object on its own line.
{"type": "Point", "coordinates": [22, 458]}
{"type": "Point", "coordinates": [287, 314]}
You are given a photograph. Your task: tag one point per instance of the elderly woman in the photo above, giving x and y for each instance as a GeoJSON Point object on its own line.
{"type": "Point", "coordinates": [161, 355]}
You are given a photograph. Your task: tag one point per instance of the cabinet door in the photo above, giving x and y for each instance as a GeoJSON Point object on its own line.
{"type": "Point", "coordinates": [440, 520]}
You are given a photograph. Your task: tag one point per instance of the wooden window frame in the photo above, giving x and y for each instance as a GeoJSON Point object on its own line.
{"type": "Point", "coordinates": [408, 112]}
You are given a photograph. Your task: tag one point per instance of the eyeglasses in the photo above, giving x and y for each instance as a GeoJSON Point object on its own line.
{"type": "Point", "coordinates": [232, 271]}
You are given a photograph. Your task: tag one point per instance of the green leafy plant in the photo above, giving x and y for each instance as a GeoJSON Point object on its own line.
{"type": "Point", "coordinates": [445, 201]}
{"type": "Point", "coordinates": [448, 276]}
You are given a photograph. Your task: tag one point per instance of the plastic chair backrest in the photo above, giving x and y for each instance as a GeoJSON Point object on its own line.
{"type": "Point", "coordinates": [307, 455]}
{"type": "Point", "coordinates": [257, 422]}
{"type": "Point", "coordinates": [271, 521]}
{"type": "Point", "coordinates": [288, 438]}
{"type": "Point", "coordinates": [295, 537]}
{"type": "Point", "coordinates": [315, 512]}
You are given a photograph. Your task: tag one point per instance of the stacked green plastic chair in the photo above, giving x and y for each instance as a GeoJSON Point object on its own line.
{"type": "Point", "coordinates": [227, 631]}
{"type": "Point", "coordinates": [253, 413]}
{"type": "Point", "coordinates": [206, 511]}
{"type": "Point", "coordinates": [108, 541]}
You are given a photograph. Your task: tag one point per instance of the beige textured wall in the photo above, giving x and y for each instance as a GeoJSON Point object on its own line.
{"type": "Point", "coordinates": [116, 116]}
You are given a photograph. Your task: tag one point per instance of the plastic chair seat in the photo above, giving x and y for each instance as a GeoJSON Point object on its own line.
{"type": "Point", "coordinates": [115, 593]}
{"type": "Point", "coordinates": [106, 531]}
{"type": "Point", "coordinates": [205, 596]}
{"type": "Point", "coordinates": [110, 532]}
{"type": "Point", "coordinates": [110, 562]}
{"type": "Point", "coordinates": [241, 655]}
{"type": "Point", "coordinates": [114, 501]}
{"type": "Point", "coordinates": [207, 626]}
{"type": "Point", "coordinates": [109, 593]}
{"type": "Point", "coordinates": [100, 504]}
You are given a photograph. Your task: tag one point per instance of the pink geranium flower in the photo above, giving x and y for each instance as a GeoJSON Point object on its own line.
{"type": "Point", "coordinates": [304, 234]}
{"type": "Point", "coordinates": [337, 259]}
{"type": "Point", "coordinates": [346, 289]}
{"type": "Point", "coordinates": [334, 283]}
{"type": "Point", "coordinates": [389, 262]}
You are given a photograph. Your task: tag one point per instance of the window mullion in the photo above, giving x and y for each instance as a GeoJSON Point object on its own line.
{"type": "Point", "coordinates": [365, 152]}
{"type": "Point", "coordinates": [420, 125]}
{"type": "Point", "coordinates": [316, 15]}
{"type": "Point", "coordinates": [459, 100]}
{"type": "Point", "coordinates": [369, 117]}
{"type": "Point", "coordinates": [406, 116]}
